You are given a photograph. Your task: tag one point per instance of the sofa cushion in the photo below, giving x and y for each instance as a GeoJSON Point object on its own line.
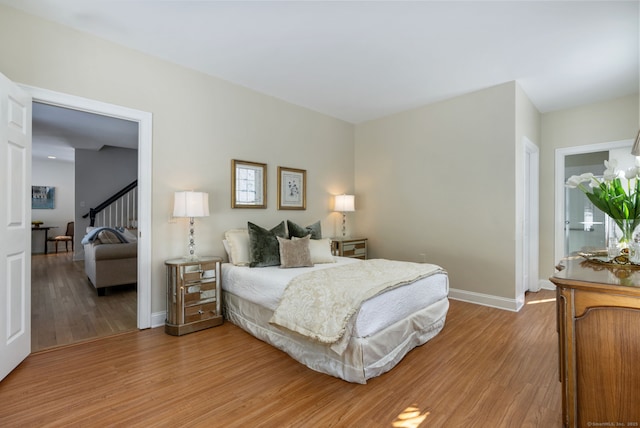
{"type": "Point", "coordinates": [112, 251]}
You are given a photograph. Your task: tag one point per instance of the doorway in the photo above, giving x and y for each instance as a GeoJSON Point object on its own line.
{"type": "Point", "coordinates": [144, 121]}
{"type": "Point", "coordinates": [578, 225]}
{"type": "Point", "coordinates": [86, 158]}
{"type": "Point", "coordinates": [527, 237]}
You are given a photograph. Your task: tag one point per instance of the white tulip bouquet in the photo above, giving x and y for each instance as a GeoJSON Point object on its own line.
{"type": "Point", "coordinates": [609, 195]}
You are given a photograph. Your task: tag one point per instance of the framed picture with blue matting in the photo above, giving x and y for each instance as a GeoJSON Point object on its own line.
{"type": "Point", "coordinates": [43, 197]}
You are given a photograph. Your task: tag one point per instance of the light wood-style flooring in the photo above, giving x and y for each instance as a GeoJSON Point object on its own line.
{"type": "Point", "coordinates": [65, 307]}
{"type": "Point", "coordinates": [487, 368]}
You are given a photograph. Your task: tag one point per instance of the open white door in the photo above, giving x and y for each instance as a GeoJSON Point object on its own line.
{"type": "Point", "coordinates": [15, 224]}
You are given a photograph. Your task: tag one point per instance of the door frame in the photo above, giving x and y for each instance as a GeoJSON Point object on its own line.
{"type": "Point", "coordinates": [145, 142]}
{"type": "Point", "coordinates": [559, 210]}
{"type": "Point", "coordinates": [531, 245]}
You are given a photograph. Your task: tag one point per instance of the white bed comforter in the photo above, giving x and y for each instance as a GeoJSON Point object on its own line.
{"type": "Point", "coordinates": [321, 304]}
{"type": "Point", "coordinates": [265, 287]}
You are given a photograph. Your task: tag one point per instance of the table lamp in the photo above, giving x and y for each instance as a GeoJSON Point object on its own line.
{"type": "Point", "coordinates": [344, 204]}
{"type": "Point", "coordinates": [191, 204]}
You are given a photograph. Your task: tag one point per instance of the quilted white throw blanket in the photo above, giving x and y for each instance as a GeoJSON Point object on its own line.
{"type": "Point", "coordinates": [321, 304]}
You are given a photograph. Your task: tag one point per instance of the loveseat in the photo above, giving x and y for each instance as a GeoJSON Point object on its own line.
{"type": "Point", "coordinates": [108, 261]}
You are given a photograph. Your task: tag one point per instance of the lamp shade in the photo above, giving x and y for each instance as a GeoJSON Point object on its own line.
{"type": "Point", "coordinates": [191, 204]}
{"type": "Point", "coordinates": [345, 203]}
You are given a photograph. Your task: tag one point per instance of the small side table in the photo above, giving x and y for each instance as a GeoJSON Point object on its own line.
{"type": "Point", "coordinates": [194, 298]}
{"type": "Point", "coordinates": [349, 247]}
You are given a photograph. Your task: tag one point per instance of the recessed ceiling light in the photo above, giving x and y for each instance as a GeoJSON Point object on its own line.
{"type": "Point", "coordinates": [51, 157]}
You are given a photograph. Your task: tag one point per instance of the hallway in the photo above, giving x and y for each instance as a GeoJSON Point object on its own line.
{"type": "Point", "coordinates": [66, 309]}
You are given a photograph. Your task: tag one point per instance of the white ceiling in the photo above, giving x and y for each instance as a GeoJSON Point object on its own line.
{"type": "Point", "coordinates": [58, 132]}
{"type": "Point", "coordinates": [361, 60]}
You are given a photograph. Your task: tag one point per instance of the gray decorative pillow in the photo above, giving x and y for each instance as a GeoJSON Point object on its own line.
{"type": "Point", "coordinates": [263, 245]}
{"type": "Point", "coordinates": [314, 230]}
{"type": "Point", "coordinates": [294, 253]}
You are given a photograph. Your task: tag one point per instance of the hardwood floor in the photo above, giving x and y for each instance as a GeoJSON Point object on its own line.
{"type": "Point", "coordinates": [65, 307]}
{"type": "Point", "coordinates": [487, 368]}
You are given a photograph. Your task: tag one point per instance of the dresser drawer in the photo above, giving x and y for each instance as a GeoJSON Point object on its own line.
{"type": "Point", "coordinates": [199, 312]}
{"type": "Point", "coordinates": [199, 291]}
{"type": "Point", "coordinates": [197, 273]}
{"type": "Point", "coordinates": [354, 249]}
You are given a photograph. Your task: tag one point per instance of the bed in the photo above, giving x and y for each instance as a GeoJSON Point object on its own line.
{"type": "Point", "coordinates": [380, 333]}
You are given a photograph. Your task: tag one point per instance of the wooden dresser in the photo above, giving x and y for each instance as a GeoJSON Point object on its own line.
{"type": "Point", "coordinates": [599, 342]}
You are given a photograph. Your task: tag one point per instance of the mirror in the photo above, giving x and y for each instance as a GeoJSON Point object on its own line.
{"type": "Point", "coordinates": [579, 226]}
{"type": "Point", "coordinates": [248, 184]}
{"type": "Point", "coordinates": [585, 225]}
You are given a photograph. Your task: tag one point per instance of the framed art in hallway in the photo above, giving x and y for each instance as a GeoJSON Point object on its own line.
{"type": "Point", "coordinates": [292, 189]}
{"type": "Point", "coordinates": [43, 197]}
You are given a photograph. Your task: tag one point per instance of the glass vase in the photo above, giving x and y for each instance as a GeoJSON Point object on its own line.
{"type": "Point", "coordinates": [626, 232]}
{"type": "Point", "coordinates": [620, 237]}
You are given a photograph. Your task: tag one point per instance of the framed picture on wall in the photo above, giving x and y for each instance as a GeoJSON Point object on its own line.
{"type": "Point", "coordinates": [43, 197]}
{"type": "Point", "coordinates": [248, 184]}
{"type": "Point", "coordinates": [292, 189]}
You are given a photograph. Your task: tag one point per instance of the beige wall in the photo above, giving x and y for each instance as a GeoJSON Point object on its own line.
{"type": "Point", "coordinates": [603, 122]}
{"type": "Point", "coordinates": [200, 123]}
{"type": "Point", "coordinates": [440, 181]}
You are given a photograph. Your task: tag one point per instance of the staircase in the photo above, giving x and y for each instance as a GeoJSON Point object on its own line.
{"type": "Point", "coordinates": [120, 210]}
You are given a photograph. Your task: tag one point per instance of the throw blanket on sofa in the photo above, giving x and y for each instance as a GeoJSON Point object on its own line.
{"type": "Point", "coordinates": [93, 235]}
{"type": "Point", "coordinates": [321, 304]}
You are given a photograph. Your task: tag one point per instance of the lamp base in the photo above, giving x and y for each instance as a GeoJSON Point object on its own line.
{"type": "Point", "coordinates": [344, 223]}
{"type": "Point", "coordinates": [191, 254]}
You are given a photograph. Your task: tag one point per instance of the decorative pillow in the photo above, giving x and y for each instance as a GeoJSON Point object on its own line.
{"type": "Point", "coordinates": [108, 237]}
{"type": "Point", "coordinates": [238, 240]}
{"type": "Point", "coordinates": [300, 232]}
{"type": "Point", "coordinates": [320, 250]}
{"type": "Point", "coordinates": [263, 245]}
{"type": "Point", "coordinates": [130, 235]}
{"type": "Point", "coordinates": [294, 253]}
{"type": "Point", "coordinates": [227, 249]}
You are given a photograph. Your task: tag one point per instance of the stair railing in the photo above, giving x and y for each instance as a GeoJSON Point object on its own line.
{"type": "Point", "coordinates": [119, 210]}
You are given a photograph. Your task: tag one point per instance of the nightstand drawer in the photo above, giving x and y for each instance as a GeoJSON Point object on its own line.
{"type": "Point", "coordinates": [199, 273]}
{"type": "Point", "coordinates": [200, 291]}
{"type": "Point", "coordinates": [199, 312]}
{"type": "Point", "coordinates": [350, 247]}
{"type": "Point", "coordinates": [192, 276]}
{"type": "Point", "coordinates": [354, 249]}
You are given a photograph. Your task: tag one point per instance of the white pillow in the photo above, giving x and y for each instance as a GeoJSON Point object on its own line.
{"type": "Point", "coordinates": [238, 240]}
{"type": "Point", "coordinates": [320, 250]}
{"type": "Point", "coordinates": [227, 250]}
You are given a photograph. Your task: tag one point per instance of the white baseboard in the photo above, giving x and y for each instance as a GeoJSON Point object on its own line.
{"type": "Point", "coordinates": [484, 299]}
{"type": "Point", "coordinates": [158, 318]}
{"type": "Point", "coordinates": [494, 301]}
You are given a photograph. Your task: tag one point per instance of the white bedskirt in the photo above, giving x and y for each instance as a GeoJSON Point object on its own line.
{"type": "Point", "coordinates": [364, 358]}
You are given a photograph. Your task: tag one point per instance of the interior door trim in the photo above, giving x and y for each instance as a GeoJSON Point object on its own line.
{"type": "Point", "coordinates": [145, 142]}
